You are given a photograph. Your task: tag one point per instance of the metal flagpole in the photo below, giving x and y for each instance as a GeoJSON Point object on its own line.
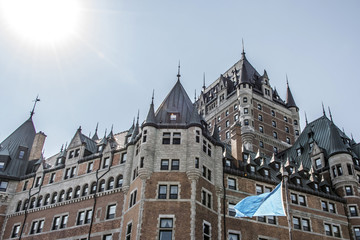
{"type": "Point", "coordinates": [285, 180]}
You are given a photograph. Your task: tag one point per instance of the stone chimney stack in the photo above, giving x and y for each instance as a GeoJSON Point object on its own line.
{"type": "Point", "coordinates": [37, 147]}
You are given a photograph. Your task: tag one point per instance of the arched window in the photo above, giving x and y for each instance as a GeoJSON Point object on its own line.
{"type": "Point", "coordinates": [18, 207]}
{"type": "Point", "coordinates": [110, 184]}
{"type": "Point", "coordinates": [119, 181]}
{"type": "Point", "coordinates": [77, 192]}
{"type": "Point", "coordinates": [26, 203]}
{"type": "Point", "coordinates": [62, 196]}
{"type": "Point", "coordinates": [69, 194]}
{"type": "Point", "coordinates": [53, 199]}
{"type": "Point", "coordinates": [32, 203]}
{"type": "Point", "coordinates": [85, 190]}
{"type": "Point", "coordinates": [93, 188]}
{"type": "Point", "coordinates": [102, 185]}
{"type": "Point", "coordinates": [39, 200]}
{"type": "Point", "coordinates": [47, 199]}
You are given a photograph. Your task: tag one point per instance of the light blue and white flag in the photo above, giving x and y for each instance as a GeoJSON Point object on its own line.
{"type": "Point", "coordinates": [266, 204]}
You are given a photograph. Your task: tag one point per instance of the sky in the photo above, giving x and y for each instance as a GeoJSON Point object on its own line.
{"type": "Point", "coordinates": [106, 71]}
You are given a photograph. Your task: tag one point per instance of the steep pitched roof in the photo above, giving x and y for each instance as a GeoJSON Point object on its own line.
{"type": "Point", "coordinates": [23, 136]}
{"type": "Point", "coordinates": [176, 108]}
{"type": "Point", "coordinates": [322, 132]}
{"type": "Point", "coordinates": [290, 102]}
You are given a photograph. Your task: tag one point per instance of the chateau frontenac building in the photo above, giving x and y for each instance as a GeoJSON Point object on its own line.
{"type": "Point", "coordinates": [178, 173]}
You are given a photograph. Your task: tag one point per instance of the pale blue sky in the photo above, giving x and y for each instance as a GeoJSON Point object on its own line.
{"type": "Point", "coordinates": [125, 49]}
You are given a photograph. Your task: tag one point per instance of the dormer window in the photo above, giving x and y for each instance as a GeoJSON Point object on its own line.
{"type": "Point", "coordinates": [318, 163]}
{"type": "Point", "coordinates": [277, 166]}
{"type": "Point", "coordinates": [316, 186]}
{"type": "Point", "coordinates": [298, 151]}
{"type": "Point", "coordinates": [2, 166]}
{"type": "Point", "coordinates": [291, 169]}
{"type": "Point", "coordinates": [327, 189]}
{"type": "Point", "coordinates": [252, 168]}
{"type": "Point", "coordinates": [77, 152]}
{"type": "Point", "coordinates": [71, 154]}
{"type": "Point", "coordinates": [266, 173]}
{"type": "Point", "coordinates": [100, 148]}
{"type": "Point", "coordinates": [246, 156]}
{"type": "Point", "coordinates": [298, 181]}
{"type": "Point", "coordinates": [21, 154]}
{"type": "Point", "coordinates": [173, 117]}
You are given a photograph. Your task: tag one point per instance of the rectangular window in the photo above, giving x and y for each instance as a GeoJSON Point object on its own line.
{"type": "Point", "coordinates": [88, 216]}
{"type": "Point", "coordinates": [296, 222]}
{"type": "Point", "coordinates": [271, 219]}
{"type": "Point", "coordinates": [15, 232]}
{"type": "Point", "coordinates": [339, 170]}
{"type": "Point", "coordinates": [111, 211]}
{"type": "Point", "coordinates": [318, 163]}
{"type": "Point", "coordinates": [25, 185]}
{"type": "Point", "coordinates": [80, 218]}
{"type": "Point", "coordinates": [166, 228]}
{"type": "Point", "coordinates": [173, 192]}
{"type": "Point", "coordinates": [328, 230]}
{"type": "Point", "coordinates": [305, 224]}
{"type": "Point", "coordinates": [90, 167]}
{"type": "Point", "coordinates": [40, 226]}
{"type": "Point", "coordinates": [231, 210]}
{"type": "Point", "coordinates": [234, 236]}
{"type": "Point", "coordinates": [162, 191]}
{"type": "Point", "coordinates": [52, 178]}
{"type": "Point", "coordinates": [357, 233]}
{"type": "Point", "coordinates": [106, 162]}
{"type": "Point", "coordinates": [197, 137]}
{"type": "Point", "coordinates": [33, 227]}
{"type": "Point", "coordinates": [2, 165]}
{"type": "Point", "coordinates": [123, 157]}
{"type": "Point", "coordinates": [176, 138]}
{"type": "Point", "coordinates": [197, 163]}
{"type": "Point", "coordinates": [128, 231]}
{"type": "Point", "coordinates": [348, 190]}
{"type": "Point", "coordinates": [133, 198]}
{"type": "Point", "coordinates": [259, 189]}
{"type": "Point", "coordinates": [107, 237]}
{"type": "Point", "coordinates": [71, 154]}
{"type": "Point", "coordinates": [67, 173]}
{"type": "Point", "coordinates": [56, 223]}
{"type": "Point", "coordinates": [231, 183]}
{"type": "Point", "coordinates": [209, 175]}
{"type": "Point", "coordinates": [324, 206]}
{"type": "Point", "coordinates": [175, 164]}
{"type": "Point", "coordinates": [204, 172]}
{"type": "Point", "coordinates": [164, 164]}
{"type": "Point", "coordinates": [73, 172]}
{"type": "Point", "coordinates": [166, 138]}
{"type": "Point", "coordinates": [349, 169]}
{"type": "Point", "coordinates": [207, 231]}
{"type": "Point", "coordinates": [332, 207]}
{"type": "Point", "coordinates": [77, 152]}
{"type": "Point", "coordinates": [353, 211]}
{"type": "Point", "coordinates": [64, 220]}
{"type": "Point", "coordinates": [37, 182]}
{"type": "Point", "coordinates": [302, 201]}
{"type": "Point", "coordinates": [336, 231]}
{"type": "Point", "coordinates": [3, 185]}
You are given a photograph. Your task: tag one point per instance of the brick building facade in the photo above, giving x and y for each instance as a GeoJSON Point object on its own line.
{"type": "Point", "coordinates": [178, 174]}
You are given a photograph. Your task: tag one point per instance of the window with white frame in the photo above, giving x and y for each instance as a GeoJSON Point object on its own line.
{"type": "Point", "coordinates": [232, 183]}
{"type": "Point", "coordinates": [111, 210]}
{"type": "Point", "coordinates": [15, 231]}
{"type": "Point", "coordinates": [234, 236]}
{"type": "Point", "coordinates": [132, 198]}
{"type": "Point", "coordinates": [206, 231]}
{"type": "Point", "coordinates": [231, 209]}
{"type": "Point", "coordinates": [128, 231]}
{"type": "Point", "coordinates": [206, 198]}
{"type": "Point", "coordinates": [166, 228]}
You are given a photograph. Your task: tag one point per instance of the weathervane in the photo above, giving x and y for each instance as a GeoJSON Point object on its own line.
{"type": "Point", "coordinates": [35, 101]}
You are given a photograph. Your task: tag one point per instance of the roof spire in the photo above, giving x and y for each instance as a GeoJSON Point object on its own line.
{"type": "Point", "coordinates": [37, 99]}
{"type": "Point", "coordinates": [195, 97]}
{"type": "Point", "coordinates": [243, 48]}
{"type": "Point", "coordinates": [330, 114]}
{"type": "Point", "coordinates": [178, 75]}
{"type": "Point", "coordinates": [204, 82]}
{"type": "Point", "coordinates": [290, 102]}
{"type": "Point", "coordinates": [137, 119]}
{"type": "Point", "coordinates": [152, 98]}
{"type": "Point", "coordinates": [306, 121]}
{"type": "Point", "coordinates": [322, 104]}
{"type": "Point", "coordinates": [95, 136]}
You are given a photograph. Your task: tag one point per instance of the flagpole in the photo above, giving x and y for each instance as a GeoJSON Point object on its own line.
{"type": "Point", "coordinates": [285, 180]}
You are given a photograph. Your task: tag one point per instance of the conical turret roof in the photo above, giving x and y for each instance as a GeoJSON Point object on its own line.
{"type": "Point", "coordinates": [290, 102]}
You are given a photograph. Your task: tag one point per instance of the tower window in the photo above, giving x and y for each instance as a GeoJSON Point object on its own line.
{"type": "Point", "coordinates": [245, 99]}
{"type": "Point", "coordinates": [348, 190]}
{"type": "Point", "coordinates": [259, 106]}
{"type": "Point", "coordinates": [261, 129]}
{"type": "Point", "coordinates": [260, 117]}
{"type": "Point", "coordinates": [166, 229]}
{"type": "Point", "coordinates": [273, 113]}
{"type": "Point", "coordinates": [285, 119]}
{"type": "Point", "coordinates": [275, 135]}
{"type": "Point", "coordinates": [273, 123]}
{"type": "Point", "coordinates": [287, 129]}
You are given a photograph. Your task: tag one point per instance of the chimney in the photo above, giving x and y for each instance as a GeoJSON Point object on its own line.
{"type": "Point", "coordinates": [236, 143]}
{"type": "Point", "coordinates": [38, 144]}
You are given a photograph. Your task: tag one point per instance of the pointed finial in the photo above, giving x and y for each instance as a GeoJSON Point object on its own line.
{"type": "Point", "coordinates": [352, 137]}
{"type": "Point", "coordinates": [243, 48]}
{"type": "Point", "coordinates": [96, 129]}
{"type": "Point", "coordinates": [330, 114]}
{"type": "Point", "coordinates": [195, 96]}
{"type": "Point", "coordinates": [204, 86]}
{"type": "Point", "coordinates": [112, 127]}
{"type": "Point", "coordinates": [62, 148]}
{"type": "Point", "coordinates": [152, 98]}
{"type": "Point", "coordinates": [137, 119]}
{"type": "Point", "coordinates": [323, 108]}
{"type": "Point", "coordinates": [287, 80]}
{"type": "Point", "coordinates": [65, 146]}
{"type": "Point", "coordinates": [306, 120]}
{"type": "Point", "coordinates": [37, 99]}
{"type": "Point", "coordinates": [105, 132]}
{"type": "Point", "coordinates": [178, 75]}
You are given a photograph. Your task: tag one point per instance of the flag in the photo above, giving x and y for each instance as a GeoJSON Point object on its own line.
{"type": "Point", "coordinates": [266, 204]}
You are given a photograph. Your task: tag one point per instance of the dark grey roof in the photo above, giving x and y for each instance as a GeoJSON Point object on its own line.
{"type": "Point", "coordinates": [290, 102]}
{"type": "Point", "coordinates": [244, 77]}
{"type": "Point", "coordinates": [23, 136]}
{"type": "Point", "coordinates": [321, 133]}
{"type": "Point", "coordinates": [150, 119]}
{"type": "Point", "coordinates": [90, 144]}
{"type": "Point", "coordinates": [177, 102]}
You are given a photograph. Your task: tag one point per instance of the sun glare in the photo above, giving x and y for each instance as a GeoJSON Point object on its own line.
{"type": "Point", "coordinates": [41, 21]}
